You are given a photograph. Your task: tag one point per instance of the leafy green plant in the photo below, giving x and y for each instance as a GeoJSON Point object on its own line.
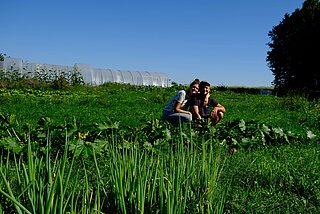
{"type": "Point", "coordinates": [42, 78]}
{"type": "Point", "coordinates": [45, 185]}
{"type": "Point", "coordinates": [127, 160]}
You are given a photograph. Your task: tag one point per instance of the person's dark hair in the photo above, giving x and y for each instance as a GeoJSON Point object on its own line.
{"type": "Point", "coordinates": [195, 81]}
{"type": "Point", "coordinates": [203, 84]}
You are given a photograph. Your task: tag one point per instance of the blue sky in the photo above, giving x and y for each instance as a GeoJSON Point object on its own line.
{"type": "Point", "coordinates": [224, 42]}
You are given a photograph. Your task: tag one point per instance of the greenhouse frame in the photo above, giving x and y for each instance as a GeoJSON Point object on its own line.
{"type": "Point", "coordinates": [91, 76]}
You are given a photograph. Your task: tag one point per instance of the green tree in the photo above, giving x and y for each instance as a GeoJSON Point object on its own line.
{"type": "Point", "coordinates": [295, 50]}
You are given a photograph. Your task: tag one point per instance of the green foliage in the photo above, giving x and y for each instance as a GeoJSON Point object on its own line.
{"type": "Point", "coordinates": [275, 180]}
{"type": "Point", "coordinates": [294, 54]}
{"type": "Point", "coordinates": [43, 184]}
{"type": "Point", "coordinates": [60, 83]}
{"type": "Point", "coordinates": [42, 79]}
{"type": "Point", "coordinates": [169, 170]}
{"type": "Point", "coordinates": [104, 150]}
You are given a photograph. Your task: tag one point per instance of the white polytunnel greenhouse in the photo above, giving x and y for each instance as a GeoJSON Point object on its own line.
{"type": "Point", "coordinates": [91, 76]}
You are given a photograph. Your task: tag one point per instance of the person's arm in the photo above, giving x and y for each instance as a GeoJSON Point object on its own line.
{"type": "Point", "coordinates": [181, 98]}
{"type": "Point", "coordinates": [180, 110]}
{"type": "Point", "coordinates": [195, 111]}
{"type": "Point", "coordinates": [216, 109]}
{"type": "Point", "coordinates": [194, 107]}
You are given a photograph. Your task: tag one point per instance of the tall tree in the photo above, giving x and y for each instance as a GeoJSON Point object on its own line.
{"type": "Point", "coordinates": [294, 58]}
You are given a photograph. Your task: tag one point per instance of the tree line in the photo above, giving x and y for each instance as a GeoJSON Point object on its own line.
{"type": "Point", "coordinates": [295, 50]}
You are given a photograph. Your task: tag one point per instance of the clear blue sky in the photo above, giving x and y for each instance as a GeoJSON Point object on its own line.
{"type": "Point", "coordinates": [224, 42]}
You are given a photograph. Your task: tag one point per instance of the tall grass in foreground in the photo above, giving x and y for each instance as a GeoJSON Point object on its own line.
{"type": "Point", "coordinates": [41, 184]}
{"type": "Point", "coordinates": [185, 179]}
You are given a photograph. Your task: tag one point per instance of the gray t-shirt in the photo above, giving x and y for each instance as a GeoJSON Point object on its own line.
{"type": "Point", "coordinates": [179, 97]}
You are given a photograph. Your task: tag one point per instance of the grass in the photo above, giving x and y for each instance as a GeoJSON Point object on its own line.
{"type": "Point", "coordinates": [276, 180]}
{"type": "Point", "coordinates": [132, 179]}
{"type": "Point", "coordinates": [146, 166]}
{"type": "Point", "coordinates": [89, 104]}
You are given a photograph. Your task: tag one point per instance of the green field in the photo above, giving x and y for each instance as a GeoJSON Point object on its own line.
{"type": "Point", "coordinates": [104, 150]}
